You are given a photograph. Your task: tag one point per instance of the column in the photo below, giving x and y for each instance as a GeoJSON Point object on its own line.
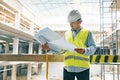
{"type": "Point", "coordinates": [15, 45]}
{"type": "Point", "coordinates": [5, 67]}
{"type": "Point", "coordinates": [29, 71]}
{"type": "Point", "coordinates": [39, 52]}
{"type": "Point", "coordinates": [39, 64]}
{"type": "Point", "coordinates": [20, 49]}
{"type": "Point", "coordinates": [30, 48]}
{"type": "Point", "coordinates": [5, 73]}
{"type": "Point", "coordinates": [15, 51]}
{"type": "Point", "coordinates": [7, 48]}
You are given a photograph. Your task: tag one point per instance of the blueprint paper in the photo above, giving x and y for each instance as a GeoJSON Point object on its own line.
{"type": "Point", "coordinates": [55, 42]}
{"type": "Point", "coordinates": [46, 35]}
{"type": "Point", "coordinates": [62, 44]}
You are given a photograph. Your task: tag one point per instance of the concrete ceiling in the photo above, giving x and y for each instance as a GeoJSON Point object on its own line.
{"type": "Point", "coordinates": [60, 7]}
{"type": "Point", "coordinates": [7, 33]}
{"type": "Point", "coordinates": [56, 11]}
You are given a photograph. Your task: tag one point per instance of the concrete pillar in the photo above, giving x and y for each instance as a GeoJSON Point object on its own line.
{"type": "Point", "coordinates": [30, 48]}
{"type": "Point", "coordinates": [7, 47]}
{"type": "Point", "coordinates": [39, 67]}
{"type": "Point", "coordinates": [5, 73]}
{"type": "Point", "coordinates": [20, 49]}
{"type": "Point", "coordinates": [15, 51]}
{"type": "Point", "coordinates": [14, 71]}
{"type": "Point", "coordinates": [5, 67]}
{"type": "Point", "coordinates": [119, 47]}
{"type": "Point", "coordinates": [15, 45]}
{"type": "Point", "coordinates": [17, 19]}
{"type": "Point", "coordinates": [29, 71]}
{"type": "Point", "coordinates": [39, 52]}
{"type": "Point", "coordinates": [39, 64]}
{"type": "Point", "coordinates": [0, 47]}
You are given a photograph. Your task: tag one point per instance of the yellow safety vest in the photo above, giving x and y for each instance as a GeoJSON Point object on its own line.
{"type": "Point", "coordinates": [75, 59]}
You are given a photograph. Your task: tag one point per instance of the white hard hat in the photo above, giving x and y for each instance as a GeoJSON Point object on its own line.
{"type": "Point", "coordinates": [74, 15]}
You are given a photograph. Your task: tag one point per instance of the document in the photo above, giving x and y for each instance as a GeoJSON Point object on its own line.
{"type": "Point", "coordinates": [46, 35]}
{"type": "Point", "coordinates": [62, 44]}
{"type": "Point", "coordinates": [55, 42]}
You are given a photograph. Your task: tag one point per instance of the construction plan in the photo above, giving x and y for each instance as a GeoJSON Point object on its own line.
{"type": "Point", "coordinates": [55, 42]}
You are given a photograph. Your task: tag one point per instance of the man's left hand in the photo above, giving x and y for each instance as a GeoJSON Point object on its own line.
{"type": "Point", "coordinates": [80, 50]}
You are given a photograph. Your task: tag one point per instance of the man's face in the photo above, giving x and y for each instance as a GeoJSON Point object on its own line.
{"type": "Point", "coordinates": [75, 25]}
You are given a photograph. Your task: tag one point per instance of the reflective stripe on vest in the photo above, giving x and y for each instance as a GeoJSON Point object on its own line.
{"type": "Point", "coordinates": [76, 59]}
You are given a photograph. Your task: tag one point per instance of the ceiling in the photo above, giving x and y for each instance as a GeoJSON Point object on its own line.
{"type": "Point", "coordinates": [56, 11]}
{"type": "Point", "coordinates": [7, 34]}
{"type": "Point", "coordinates": [61, 7]}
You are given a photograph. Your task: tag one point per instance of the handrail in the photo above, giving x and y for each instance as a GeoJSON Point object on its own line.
{"type": "Point", "coordinates": [6, 17]}
{"type": "Point", "coordinates": [59, 58]}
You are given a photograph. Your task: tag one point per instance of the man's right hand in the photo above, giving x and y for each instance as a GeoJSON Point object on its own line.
{"type": "Point", "coordinates": [45, 46]}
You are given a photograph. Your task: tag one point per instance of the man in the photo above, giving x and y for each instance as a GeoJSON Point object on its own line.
{"type": "Point", "coordinates": [76, 64]}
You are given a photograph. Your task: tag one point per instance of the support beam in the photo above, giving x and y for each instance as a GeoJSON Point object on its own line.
{"type": "Point", "coordinates": [30, 48]}
{"type": "Point", "coordinates": [13, 74]}
{"type": "Point", "coordinates": [7, 47]}
{"type": "Point", "coordinates": [29, 70]}
{"type": "Point", "coordinates": [5, 73]}
{"type": "Point", "coordinates": [5, 67]}
{"type": "Point", "coordinates": [39, 52]}
{"type": "Point", "coordinates": [15, 45]}
{"type": "Point", "coordinates": [15, 51]}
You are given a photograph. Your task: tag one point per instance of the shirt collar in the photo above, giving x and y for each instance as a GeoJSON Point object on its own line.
{"type": "Point", "coordinates": [77, 30]}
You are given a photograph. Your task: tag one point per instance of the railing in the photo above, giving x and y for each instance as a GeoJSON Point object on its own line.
{"type": "Point", "coordinates": [8, 16]}
{"type": "Point", "coordinates": [59, 58]}
{"type": "Point", "coordinates": [94, 59]}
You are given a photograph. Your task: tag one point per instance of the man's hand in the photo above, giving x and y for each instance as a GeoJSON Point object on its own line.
{"type": "Point", "coordinates": [80, 50]}
{"type": "Point", "coordinates": [45, 46]}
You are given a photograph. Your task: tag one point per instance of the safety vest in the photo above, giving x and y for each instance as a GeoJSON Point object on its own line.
{"type": "Point", "coordinates": [75, 59]}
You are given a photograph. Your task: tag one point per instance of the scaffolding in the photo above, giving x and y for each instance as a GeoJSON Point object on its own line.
{"type": "Point", "coordinates": [108, 21]}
